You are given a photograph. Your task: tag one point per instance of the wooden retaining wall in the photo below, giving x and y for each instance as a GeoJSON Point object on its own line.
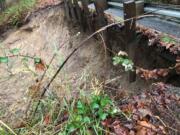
{"type": "Point", "coordinates": [92, 18]}
{"type": "Point", "coordinates": [79, 12]}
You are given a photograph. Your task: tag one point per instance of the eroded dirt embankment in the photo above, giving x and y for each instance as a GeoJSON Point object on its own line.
{"type": "Point", "coordinates": [46, 31]}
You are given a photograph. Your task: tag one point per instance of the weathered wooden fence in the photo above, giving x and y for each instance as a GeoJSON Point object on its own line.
{"type": "Point", "coordinates": [92, 15]}
{"type": "Point", "coordinates": [79, 12]}
{"type": "Point", "coordinates": [2, 5]}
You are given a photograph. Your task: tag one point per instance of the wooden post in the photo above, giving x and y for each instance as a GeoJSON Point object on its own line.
{"type": "Point", "coordinates": [130, 29]}
{"type": "Point", "coordinates": [67, 11]}
{"type": "Point", "coordinates": [177, 2]}
{"type": "Point", "coordinates": [87, 22]}
{"type": "Point", "coordinates": [100, 6]}
{"type": "Point", "coordinates": [130, 26]}
{"type": "Point", "coordinates": [72, 11]}
{"type": "Point", "coordinates": [78, 12]}
{"type": "Point", "coordinates": [139, 8]}
{"type": "Point", "coordinates": [2, 5]}
{"type": "Point", "coordinates": [85, 6]}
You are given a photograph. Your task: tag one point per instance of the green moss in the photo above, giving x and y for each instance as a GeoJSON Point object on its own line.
{"type": "Point", "coordinates": [168, 40]}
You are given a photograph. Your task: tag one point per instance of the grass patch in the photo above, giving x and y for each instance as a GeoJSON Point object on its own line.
{"type": "Point", "coordinates": [13, 15]}
{"type": "Point", "coordinates": [82, 116]}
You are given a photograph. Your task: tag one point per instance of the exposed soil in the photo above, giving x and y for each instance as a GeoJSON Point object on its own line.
{"type": "Point", "coordinates": [45, 32]}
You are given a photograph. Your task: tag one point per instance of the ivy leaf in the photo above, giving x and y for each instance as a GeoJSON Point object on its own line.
{"type": "Point", "coordinates": [15, 51]}
{"type": "Point", "coordinates": [80, 105]}
{"type": "Point", "coordinates": [4, 59]}
{"type": "Point", "coordinates": [37, 60]}
{"type": "Point", "coordinates": [105, 101]}
{"type": "Point", "coordinates": [103, 116]}
{"type": "Point", "coordinates": [95, 106]}
{"type": "Point", "coordinates": [71, 128]}
{"type": "Point", "coordinates": [117, 60]}
{"type": "Point", "coordinates": [87, 120]}
{"type": "Point", "coordinates": [114, 111]}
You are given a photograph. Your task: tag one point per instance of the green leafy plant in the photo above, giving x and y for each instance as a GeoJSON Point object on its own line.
{"type": "Point", "coordinates": [167, 39]}
{"type": "Point", "coordinates": [15, 51]}
{"type": "Point", "coordinates": [4, 59]}
{"type": "Point", "coordinates": [124, 61]}
{"type": "Point", "coordinates": [88, 114]}
{"type": "Point", "coordinates": [78, 116]}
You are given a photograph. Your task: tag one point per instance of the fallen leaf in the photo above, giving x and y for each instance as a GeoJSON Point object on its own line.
{"type": "Point", "coordinates": [145, 128]}
{"type": "Point", "coordinates": [106, 122]}
{"type": "Point", "coordinates": [47, 119]}
{"type": "Point", "coordinates": [152, 74]}
{"type": "Point", "coordinates": [40, 65]}
{"type": "Point", "coordinates": [177, 68]}
{"type": "Point", "coordinates": [120, 130]}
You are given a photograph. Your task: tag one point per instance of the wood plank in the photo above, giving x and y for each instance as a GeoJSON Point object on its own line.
{"type": "Point", "coordinates": [101, 6]}
{"type": "Point", "coordinates": [78, 12]}
{"type": "Point", "coordinates": [2, 5]}
{"type": "Point", "coordinates": [87, 22]}
{"type": "Point", "coordinates": [130, 29]}
{"type": "Point", "coordinates": [67, 10]}
{"type": "Point", "coordinates": [72, 11]}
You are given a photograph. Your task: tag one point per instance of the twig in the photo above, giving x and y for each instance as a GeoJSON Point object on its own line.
{"type": "Point", "coordinates": [166, 125]}
{"type": "Point", "coordinates": [104, 45]}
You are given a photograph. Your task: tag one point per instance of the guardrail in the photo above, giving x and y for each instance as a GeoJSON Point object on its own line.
{"type": "Point", "coordinates": [160, 10]}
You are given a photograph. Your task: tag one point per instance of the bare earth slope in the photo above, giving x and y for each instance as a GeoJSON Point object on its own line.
{"type": "Point", "coordinates": [46, 31]}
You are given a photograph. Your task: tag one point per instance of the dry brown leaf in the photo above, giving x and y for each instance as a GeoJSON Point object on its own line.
{"type": "Point", "coordinates": [106, 122]}
{"type": "Point", "coordinates": [178, 59]}
{"type": "Point", "coordinates": [152, 74]}
{"type": "Point", "coordinates": [120, 130]}
{"type": "Point", "coordinates": [162, 72]}
{"type": "Point", "coordinates": [40, 66]}
{"type": "Point", "coordinates": [145, 128]}
{"type": "Point", "coordinates": [177, 68]}
{"type": "Point", "coordinates": [47, 119]}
